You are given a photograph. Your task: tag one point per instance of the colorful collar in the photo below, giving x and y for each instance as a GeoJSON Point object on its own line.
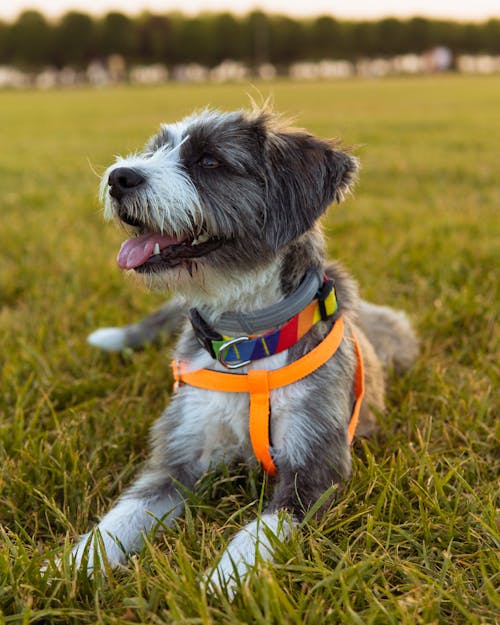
{"type": "Point", "coordinates": [234, 352]}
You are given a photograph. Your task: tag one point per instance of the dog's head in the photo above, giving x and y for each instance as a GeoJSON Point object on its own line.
{"type": "Point", "coordinates": [221, 191]}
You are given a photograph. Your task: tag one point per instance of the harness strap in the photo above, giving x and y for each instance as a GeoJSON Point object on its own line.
{"type": "Point", "coordinates": [259, 382]}
{"type": "Point", "coordinates": [359, 390]}
{"type": "Point", "coordinates": [260, 416]}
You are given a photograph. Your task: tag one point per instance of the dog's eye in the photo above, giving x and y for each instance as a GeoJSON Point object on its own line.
{"type": "Point", "coordinates": [209, 162]}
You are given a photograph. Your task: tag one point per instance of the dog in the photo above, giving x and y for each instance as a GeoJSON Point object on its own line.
{"type": "Point", "coordinates": [224, 209]}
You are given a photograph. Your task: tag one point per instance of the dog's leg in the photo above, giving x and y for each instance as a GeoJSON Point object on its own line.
{"type": "Point", "coordinates": [167, 320]}
{"type": "Point", "coordinates": [297, 490]}
{"type": "Point", "coordinates": [183, 448]}
{"type": "Point", "coordinates": [156, 497]}
{"type": "Point", "coordinates": [158, 493]}
{"type": "Point", "coordinates": [312, 454]}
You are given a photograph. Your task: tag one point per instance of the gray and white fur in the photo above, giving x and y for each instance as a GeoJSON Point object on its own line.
{"type": "Point", "coordinates": [235, 199]}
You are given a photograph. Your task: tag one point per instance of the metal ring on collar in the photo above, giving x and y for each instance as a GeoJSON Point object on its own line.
{"type": "Point", "coordinates": [227, 345]}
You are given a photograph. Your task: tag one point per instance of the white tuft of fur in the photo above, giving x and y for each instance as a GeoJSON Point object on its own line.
{"type": "Point", "coordinates": [252, 543]}
{"type": "Point", "coordinates": [108, 339]}
{"type": "Point", "coordinates": [169, 196]}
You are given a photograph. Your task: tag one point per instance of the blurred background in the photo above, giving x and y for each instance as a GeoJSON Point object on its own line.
{"type": "Point", "coordinates": [70, 42]}
{"type": "Point", "coordinates": [413, 87]}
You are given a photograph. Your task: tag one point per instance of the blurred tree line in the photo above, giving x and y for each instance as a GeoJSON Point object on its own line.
{"type": "Point", "coordinates": [33, 42]}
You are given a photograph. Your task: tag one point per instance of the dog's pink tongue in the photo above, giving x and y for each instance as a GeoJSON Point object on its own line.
{"type": "Point", "coordinates": [136, 251]}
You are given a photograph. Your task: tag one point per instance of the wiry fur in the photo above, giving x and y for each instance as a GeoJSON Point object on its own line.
{"type": "Point", "coordinates": [262, 200]}
{"type": "Point", "coordinates": [170, 196]}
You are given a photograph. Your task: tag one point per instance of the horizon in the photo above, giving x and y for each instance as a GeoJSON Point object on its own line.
{"type": "Point", "coordinates": [481, 10]}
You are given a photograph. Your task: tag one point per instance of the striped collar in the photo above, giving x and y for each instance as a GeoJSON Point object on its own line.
{"type": "Point", "coordinates": [240, 350]}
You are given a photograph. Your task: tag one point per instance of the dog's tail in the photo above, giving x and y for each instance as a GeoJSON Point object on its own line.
{"type": "Point", "coordinates": [167, 320]}
{"type": "Point", "coordinates": [391, 335]}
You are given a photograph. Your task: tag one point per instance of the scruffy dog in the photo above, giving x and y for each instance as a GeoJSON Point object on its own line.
{"type": "Point", "coordinates": [224, 208]}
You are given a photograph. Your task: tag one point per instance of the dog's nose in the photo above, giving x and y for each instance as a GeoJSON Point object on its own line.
{"type": "Point", "coordinates": [124, 179]}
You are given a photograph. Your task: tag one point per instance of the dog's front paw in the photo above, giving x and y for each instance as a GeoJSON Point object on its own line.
{"type": "Point", "coordinates": [251, 545]}
{"type": "Point", "coordinates": [96, 552]}
{"type": "Point", "coordinates": [236, 561]}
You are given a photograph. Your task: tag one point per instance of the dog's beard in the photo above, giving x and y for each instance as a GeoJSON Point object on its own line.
{"type": "Point", "coordinates": [163, 256]}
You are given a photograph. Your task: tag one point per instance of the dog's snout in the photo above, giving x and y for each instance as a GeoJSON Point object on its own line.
{"type": "Point", "coordinates": [123, 180]}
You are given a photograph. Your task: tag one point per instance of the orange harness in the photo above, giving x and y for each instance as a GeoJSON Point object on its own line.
{"type": "Point", "coordinates": [259, 382]}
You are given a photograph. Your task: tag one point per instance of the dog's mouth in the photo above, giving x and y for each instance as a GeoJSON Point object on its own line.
{"type": "Point", "coordinates": [153, 251]}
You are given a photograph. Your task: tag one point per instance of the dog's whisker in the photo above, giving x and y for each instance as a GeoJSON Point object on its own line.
{"type": "Point", "coordinates": [179, 145]}
{"type": "Point", "coordinates": [93, 169]}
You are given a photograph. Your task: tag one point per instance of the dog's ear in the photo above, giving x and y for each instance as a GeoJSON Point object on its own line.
{"type": "Point", "coordinates": [305, 175]}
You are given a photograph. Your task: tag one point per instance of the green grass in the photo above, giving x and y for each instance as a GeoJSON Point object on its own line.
{"type": "Point", "coordinates": [414, 537]}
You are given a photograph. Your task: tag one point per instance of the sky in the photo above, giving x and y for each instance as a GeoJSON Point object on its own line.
{"type": "Point", "coordinates": [357, 9]}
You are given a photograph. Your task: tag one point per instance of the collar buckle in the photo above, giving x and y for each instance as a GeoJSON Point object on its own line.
{"type": "Point", "coordinates": [226, 346]}
{"type": "Point", "coordinates": [203, 332]}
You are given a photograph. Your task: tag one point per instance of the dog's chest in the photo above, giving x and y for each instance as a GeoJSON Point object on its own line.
{"type": "Point", "coordinates": [217, 422]}
{"type": "Point", "coordinates": [222, 419]}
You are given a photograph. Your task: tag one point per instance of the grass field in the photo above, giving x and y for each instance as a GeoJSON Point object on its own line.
{"type": "Point", "coordinates": [414, 537]}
